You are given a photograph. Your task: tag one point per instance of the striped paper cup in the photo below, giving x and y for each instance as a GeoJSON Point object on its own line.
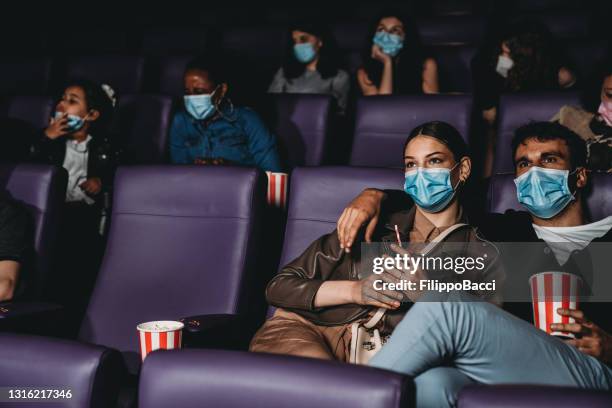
{"type": "Point", "coordinates": [550, 291]}
{"type": "Point", "coordinates": [277, 189]}
{"type": "Point", "coordinates": [163, 334]}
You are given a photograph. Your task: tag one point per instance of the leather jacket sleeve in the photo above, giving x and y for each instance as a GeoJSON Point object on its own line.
{"type": "Point", "coordinates": [296, 285]}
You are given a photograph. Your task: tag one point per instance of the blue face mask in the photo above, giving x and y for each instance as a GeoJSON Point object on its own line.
{"type": "Point", "coordinates": [304, 52]}
{"type": "Point", "coordinates": [430, 189]}
{"type": "Point", "coordinates": [199, 106]}
{"type": "Point", "coordinates": [544, 192]}
{"type": "Point", "coordinates": [74, 124]}
{"type": "Point", "coordinates": [390, 44]}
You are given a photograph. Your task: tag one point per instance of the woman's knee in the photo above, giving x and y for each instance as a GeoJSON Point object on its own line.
{"type": "Point", "coordinates": [440, 386]}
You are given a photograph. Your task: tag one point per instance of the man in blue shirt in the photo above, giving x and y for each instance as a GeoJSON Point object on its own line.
{"type": "Point", "coordinates": [210, 130]}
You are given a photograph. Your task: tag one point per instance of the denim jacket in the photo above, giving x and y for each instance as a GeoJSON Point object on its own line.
{"type": "Point", "coordinates": [236, 134]}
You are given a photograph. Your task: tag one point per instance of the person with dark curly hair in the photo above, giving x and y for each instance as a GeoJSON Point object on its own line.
{"type": "Point", "coordinates": [523, 57]}
{"type": "Point", "coordinates": [311, 65]}
{"type": "Point", "coordinates": [394, 61]}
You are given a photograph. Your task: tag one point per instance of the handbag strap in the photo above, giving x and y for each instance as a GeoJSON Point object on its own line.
{"type": "Point", "coordinates": [430, 247]}
{"type": "Point", "coordinates": [434, 242]}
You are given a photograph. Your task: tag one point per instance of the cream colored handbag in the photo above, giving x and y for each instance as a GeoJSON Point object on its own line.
{"type": "Point", "coordinates": [366, 340]}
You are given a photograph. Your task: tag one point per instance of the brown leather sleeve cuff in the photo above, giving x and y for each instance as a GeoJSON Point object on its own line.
{"type": "Point", "coordinates": [293, 292]}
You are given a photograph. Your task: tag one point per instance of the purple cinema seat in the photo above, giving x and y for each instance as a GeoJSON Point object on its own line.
{"type": "Point", "coordinates": [171, 70]}
{"type": "Point", "coordinates": [532, 396]}
{"type": "Point", "coordinates": [451, 30]}
{"type": "Point", "coordinates": [260, 42]}
{"type": "Point", "coordinates": [230, 379]}
{"type": "Point", "coordinates": [35, 111]}
{"type": "Point", "coordinates": [518, 109]}
{"type": "Point", "coordinates": [174, 41]}
{"type": "Point", "coordinates": [141, 125]}
{"type": "Point", "coordinates": [454, 67]}
{"type": "Point", "coordinates": [182, 242]}
{"type": "Point", "coordinates": [123, 73]}
{"type": "Point", "coordinates": [25, 76]}
{"type": "Point", "coordinates": [317, 197]}
{"type": "Point", "coordinates": [87, 371]}
{"type": "Point", "coordinates": [350, 36]}
{"type": "Point", "coordinates": [42, 190]}
{"type": "Point", "coordinates": [302, 126]}
{"type": "Point", "coordinates": [502, 195]}
{"type": "Point", "coordinates": [383, 123]}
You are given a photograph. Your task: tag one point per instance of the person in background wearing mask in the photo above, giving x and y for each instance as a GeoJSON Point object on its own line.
{"type": "Point", "coordinates": [311, 65]}
{"type": "Point", "coordinates": [211, 130]}
{"type": "Point", "coordinates": [78, 139]}
{"type": "Point", "coordinates": [394, 61]}
{"type": "Point", "coordinates": [524, 57]}
{"type": "Point", "coordinates": [594, 128]}
{"type": "Point", "coordinates": [550, 178]}
{"type": "Point", "coordinates": [318, 295]}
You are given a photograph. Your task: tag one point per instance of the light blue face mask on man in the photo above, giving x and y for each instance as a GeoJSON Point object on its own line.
{"type": "Point", "coordinates": [200, 106]}
{"type": "Point", "coordinates": [304, 52]}
{"type": "Point", "coordinates": [390, 44]}
{"type": "Point", "coordinates": [430, 189]}
{"type": "Point", "coordinates": [544, 192]}
{"type": "Point", "coordinates": [74, 124]}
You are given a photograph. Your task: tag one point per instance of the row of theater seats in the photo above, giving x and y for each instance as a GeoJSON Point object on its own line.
{"type": "Point", "coordinates": [270, 39]}
{"type": "Point", "coordinates": [163, 74]}
{"type": "Point", "coordinates": [186, 242]}
{"type": "Point", "coordinates": [305, 128]}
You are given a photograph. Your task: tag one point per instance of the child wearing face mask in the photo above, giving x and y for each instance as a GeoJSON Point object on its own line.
{"type": "Point", "coordinates": [210, 130]}
{"type": "Point", "coordinates": [595, 128]}
{"type": "Point", "coordinates": [311, 65]}
{"type": "Point", "coordinates": [77, 138]}
{"type": "Point", "coordinates": [394, 61]}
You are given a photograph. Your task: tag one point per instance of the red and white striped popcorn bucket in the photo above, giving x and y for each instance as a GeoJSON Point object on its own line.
{"type": "Point", "coordinates": [277, 189]}
{"type": "Point", "coordinates": [549, 292]}
{"type": "Point", "coordinates": [163, 334]}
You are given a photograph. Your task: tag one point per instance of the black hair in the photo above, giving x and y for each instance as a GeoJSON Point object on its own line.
{"type": "Point", "coordinates": [544, 131]}
{"type": "Point", "coordinates": [214, 68]}
{"type": "Point", "coordinates": [96, 98]}
{"type": "Point", "coordinates": [534, 50]}
{"type": "Point", "coordinates": [444, 133]}
{"type": "Point", "coordinates": [328, 64]}
{"type": "Point", "coordinates": [408, 63]}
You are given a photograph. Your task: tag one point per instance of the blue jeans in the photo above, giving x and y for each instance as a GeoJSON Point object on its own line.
{"type": "Point", "coordinates": [484, 344]}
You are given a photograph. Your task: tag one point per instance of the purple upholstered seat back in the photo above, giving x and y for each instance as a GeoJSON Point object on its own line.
{"type": "Point", "coordinates": [42, 190]}
{"type": "Point", "coordinates": [181, 243]}
{"type": "Point", "coordinates": [384, 122]}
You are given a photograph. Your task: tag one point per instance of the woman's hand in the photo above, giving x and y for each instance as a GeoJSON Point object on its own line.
{"type": "Point", "coordinates": [92, 186]}
{"type": "Point", "coordinates": [379, 55]}
{"type": "Point", "coordinates": [364, 293]}
{"type": "Point", "coordinates": [593, 340]}
{"type": "Point", "coordinates": [365, 208]}
{"type": "Point", "coordinates": [57, 127]}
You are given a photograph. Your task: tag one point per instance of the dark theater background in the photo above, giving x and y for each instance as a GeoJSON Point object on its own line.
{"type": "Point", "coordinates": [164, 162]}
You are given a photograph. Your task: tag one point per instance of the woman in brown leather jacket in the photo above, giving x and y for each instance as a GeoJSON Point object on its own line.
{"type": "Point", "coordinates": [319, 294]}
